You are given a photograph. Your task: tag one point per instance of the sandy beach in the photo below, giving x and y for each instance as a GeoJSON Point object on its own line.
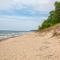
{"type": "Point", "coordinates": [31, 46]}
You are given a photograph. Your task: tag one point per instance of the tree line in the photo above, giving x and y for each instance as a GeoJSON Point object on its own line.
{"type": "Point", "coordinates": [53, 18]}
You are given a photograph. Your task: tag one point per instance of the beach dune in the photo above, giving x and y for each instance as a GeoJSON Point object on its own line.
{"type": "Point", "coordinates": [31, 46]}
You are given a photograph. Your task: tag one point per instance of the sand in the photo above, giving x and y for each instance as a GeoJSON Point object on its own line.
{"type": "Point", "coordinates": [31, 46]}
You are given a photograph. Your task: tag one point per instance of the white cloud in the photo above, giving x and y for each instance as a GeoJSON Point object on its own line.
{"type": "Point", "coordinates": [5, 4]}
{"type": "Point", "coordinates": [19, 23]}
{"type": "Point", "coordinates": [34, 4]}
{"type": "Point", "coordinates": [41, 5]}
{"type": "Point", "coordinates": [58, 0]}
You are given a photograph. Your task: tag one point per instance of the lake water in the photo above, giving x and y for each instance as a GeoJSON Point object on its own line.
{"type": "Point", "coordinates": [9, 34]}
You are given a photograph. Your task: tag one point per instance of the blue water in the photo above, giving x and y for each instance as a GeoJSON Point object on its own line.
{"type": "Point", "coordinates": [8, 34]}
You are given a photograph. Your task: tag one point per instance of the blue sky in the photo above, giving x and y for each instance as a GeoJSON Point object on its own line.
{"type": "Point", "coordinates": [24, 14]}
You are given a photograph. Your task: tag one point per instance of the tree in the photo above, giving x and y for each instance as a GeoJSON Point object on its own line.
{"type": "Point", "coordinates": [53, 18]}
{"type": "Point", "coordinates": [57, 11]}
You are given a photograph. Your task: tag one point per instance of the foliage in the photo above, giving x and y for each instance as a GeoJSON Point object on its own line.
{"type": "Point", "coordinates": [54, 17]}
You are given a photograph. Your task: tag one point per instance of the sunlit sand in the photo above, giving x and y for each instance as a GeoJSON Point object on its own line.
{"type": "Point", "coordinates": [31, 46]}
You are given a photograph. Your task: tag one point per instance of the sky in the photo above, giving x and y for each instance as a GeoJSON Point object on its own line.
{"type": "Point", "coordinates": [24, 15]}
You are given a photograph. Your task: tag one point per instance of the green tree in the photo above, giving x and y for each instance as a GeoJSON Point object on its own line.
{"type": "Point", "coordinates": [53, 18]}
{"type": "Point", "coordinates": [57, 11]}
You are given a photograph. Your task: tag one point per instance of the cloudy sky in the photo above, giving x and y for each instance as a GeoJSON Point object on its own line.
{"type": "Point", "coordinates": [24, 14]}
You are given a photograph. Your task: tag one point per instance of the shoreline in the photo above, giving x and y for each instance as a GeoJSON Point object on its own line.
{"type": "Point", "coordinates": [31, 46]}
{"type": "Point", "coordinates": [3, 39]}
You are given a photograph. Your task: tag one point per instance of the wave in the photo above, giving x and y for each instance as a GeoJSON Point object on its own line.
{"type": "Point", "coordinates": [10, 34]}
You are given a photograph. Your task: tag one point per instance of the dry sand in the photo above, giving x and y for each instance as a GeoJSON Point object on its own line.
{"type": "Point", "coordinates": [31, 46]}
